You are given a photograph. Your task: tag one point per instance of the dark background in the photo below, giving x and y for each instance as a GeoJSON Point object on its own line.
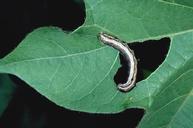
{"type": "Point", "coordinates": [28, 109]}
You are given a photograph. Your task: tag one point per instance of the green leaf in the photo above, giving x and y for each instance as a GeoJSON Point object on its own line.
{"type": "Point", "coordinates": [71, 74]}
{"type": "Point", "coordinates": [172, 106]}
{"type": "Point", "coordinates": [76, 71]}
{"type": "Point", "coordinates": [182, 3]}
{"type": "Point", "coordinates": [6, 91]}
{"type": "Point", "coordinates": [134, 20]}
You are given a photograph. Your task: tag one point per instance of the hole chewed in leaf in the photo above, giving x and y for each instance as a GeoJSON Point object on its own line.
{"type": "Point", "coordinates": [150, 54]}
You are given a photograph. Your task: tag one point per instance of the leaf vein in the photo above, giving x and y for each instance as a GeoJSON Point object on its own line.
{"type": "Point", "coordinates": [57, 57]}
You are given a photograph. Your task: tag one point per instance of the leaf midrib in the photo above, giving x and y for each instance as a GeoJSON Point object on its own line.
{"type": "Point", "coordinates": [55, 57]}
